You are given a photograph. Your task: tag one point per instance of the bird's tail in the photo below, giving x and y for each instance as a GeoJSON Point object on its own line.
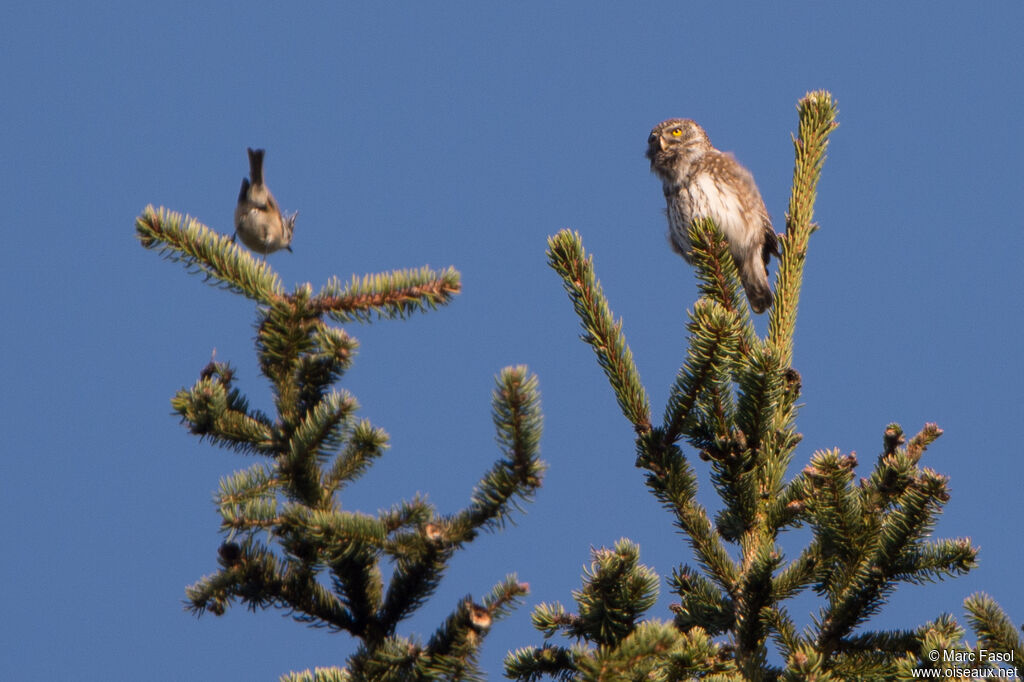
{"type": "Point", "coordinates": [256, 166]}
{"type": "Point", "coordinates": [755, 282]}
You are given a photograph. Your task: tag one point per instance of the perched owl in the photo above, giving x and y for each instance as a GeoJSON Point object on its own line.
{"type": "Point", "coordinates": [701, 182]}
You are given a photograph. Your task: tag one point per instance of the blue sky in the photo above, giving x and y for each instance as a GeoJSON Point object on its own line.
{"type": "Point", "coordinates": [465, 134]}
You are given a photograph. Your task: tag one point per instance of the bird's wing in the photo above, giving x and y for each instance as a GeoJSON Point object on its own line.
{"type": "Point", "coordinates": [771, 241]}
{"type": "Point", "coordinates": [739, 175]}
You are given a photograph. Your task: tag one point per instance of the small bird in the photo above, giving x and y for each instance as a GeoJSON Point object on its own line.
{"type": "Point", "coordinates": [701, 182]}
{"type": "Point", "coordinates": [258, 219]}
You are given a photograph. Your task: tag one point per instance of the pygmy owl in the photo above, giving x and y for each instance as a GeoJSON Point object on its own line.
{"type": "Point", "coordinates": [258, 219]}
{"type": "Point", "coordinates": [701, 182]}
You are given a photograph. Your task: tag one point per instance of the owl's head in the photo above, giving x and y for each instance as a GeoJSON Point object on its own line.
{"type": "Point", "coordinates": [674, 140]}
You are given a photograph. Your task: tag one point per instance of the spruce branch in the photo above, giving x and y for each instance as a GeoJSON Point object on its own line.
{"type": "Point", "coordinates": [734, 401]}
{"type": "Point", "coordinates": [457, 640]}
{"type": "Point", "coordinates": [800, 573]}
{"type": "Point", "coordinates": [715, 336]}
{"type": "Point", "coordinates": [655, 651]}
{"type": "Point", "coordinates": [296, 549]}
{"type": "Point", "coordinates": [417, 575]}
{"type": "Point", "coordinates": [247, 500]}
{"type": "Point", "coordinates": [612, 643]}
{"type": "Point", "coordinates": [872, 575]}
{"type": "Point", "coordinates": [672, 481]}
{"type": "Point", "coordinates": [530, 664]}
{"type": "Point", "coordinates": [788, 507]}
{"type": "Point", "coordinates": [701, 604]}
{"type": "Point", "coordinates": [505, 597]}
{"type": "Point", "coordinates": [604, 334]}
{"type": "Point", "coordinates": [718, 278]}
{"type": "Point", "coordinates": [318, 433]}
{"type": "Point", "coordinates": [256, 577]}
{"type": "Point", "coordinates": [784, 632]}
{"type": "Point", "coordinates": [318, 675]}
{"type": "Point", "coordinates": [818, 111]}
{"type": "Point", "coordinates": [919, 443]}
{"type": "Point", "coordinates": [942, 634]}
{"type": "Point", "coordinates": [761, 380]}
{"type": "Point", "coordinates": [708, 545]}
{"type": "Point", "coordinates": [834, 507]}
{"type": "Point", "coordinates": [395, 659]}
{"type": "Point", "coordinates": [215, 410]}
{"type": "Point", "coordinates": [928, 562]}
{"type": "Point", "coordinates": [204, 251]}
{"type": "Point", "coordinates": [330, 355]}
{"type": "Point", "coordinates": [406, 515]}
{"type": "Point", "coordinates": [617, 591]}
{"type": "Point", "coordinates": [806, 664]}
{"type": "Point", "coordinates": [517, 420]}
{"type": "Point", "coordinates": [388, 295]}
{"type": "Point", "coordinates": [994, 629]}
{"type": "Point", "coordinates": [364, 444]}
{"type": "Point", "coordinates": [751, 602]}
{"type": "Point", "coordinates": [880, 642]}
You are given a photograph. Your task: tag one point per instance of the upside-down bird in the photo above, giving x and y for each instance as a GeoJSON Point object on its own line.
{"type": "Point", "coordinates": [258, 219]}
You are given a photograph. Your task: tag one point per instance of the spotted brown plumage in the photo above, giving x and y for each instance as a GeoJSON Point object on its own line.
{"type": "Point", "coordinates": [700, 181]}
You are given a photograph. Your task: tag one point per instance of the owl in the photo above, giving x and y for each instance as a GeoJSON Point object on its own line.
{"type": "Point", "coordinates": [701, 182]}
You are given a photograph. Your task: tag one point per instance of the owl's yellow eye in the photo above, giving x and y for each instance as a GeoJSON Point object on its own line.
{"type": "Point", "coordinates": [676, 132]}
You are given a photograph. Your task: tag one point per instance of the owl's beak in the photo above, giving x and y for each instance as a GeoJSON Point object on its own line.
{"type": "Point", "coordinates": [654, 145]}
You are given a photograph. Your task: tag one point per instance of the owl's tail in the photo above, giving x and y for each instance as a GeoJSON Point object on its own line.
{"type": "Point", "coordinates": [755, 282]}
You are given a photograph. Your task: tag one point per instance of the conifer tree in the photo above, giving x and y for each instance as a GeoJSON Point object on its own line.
{"type": "Point", "coordinates": [289, 543]}
{"type": "Point", "coordinates": [734, 403]}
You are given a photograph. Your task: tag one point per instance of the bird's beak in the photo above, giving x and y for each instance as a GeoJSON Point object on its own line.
{"type": "Point", "coordinates": [654, 145]}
